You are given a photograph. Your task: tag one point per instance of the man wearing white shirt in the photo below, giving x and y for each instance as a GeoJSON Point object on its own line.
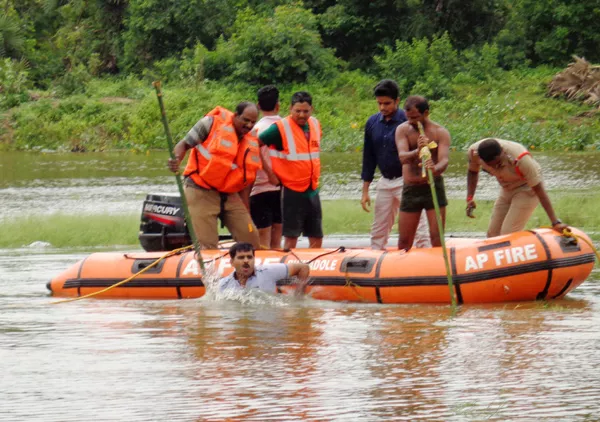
{"type": "Point", "coordinates": [265, 197]}
{"type": "Point", "coordinates": [263, 277]}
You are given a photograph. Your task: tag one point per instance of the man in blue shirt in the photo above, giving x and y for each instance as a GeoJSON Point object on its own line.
{"type": "Point", "coordinates": [380, 151]}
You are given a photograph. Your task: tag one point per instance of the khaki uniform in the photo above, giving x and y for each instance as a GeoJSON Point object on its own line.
{"type": "Point", "coordinates": [205, 205]}
{"type": "Point", "coordinates": [517, 176]}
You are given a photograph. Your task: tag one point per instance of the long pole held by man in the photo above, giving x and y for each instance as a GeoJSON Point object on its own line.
{"type": "Point", "coordinates": [188, 218]}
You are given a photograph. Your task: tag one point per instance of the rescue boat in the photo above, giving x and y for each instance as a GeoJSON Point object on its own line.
{"type": "Point", "coordinates": [524, 266]}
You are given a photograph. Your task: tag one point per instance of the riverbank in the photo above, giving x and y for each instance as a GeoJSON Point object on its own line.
{"type": "Point", "coordinates": [339, 217]}
{"type": "Point", "coordinates": [122, 114]}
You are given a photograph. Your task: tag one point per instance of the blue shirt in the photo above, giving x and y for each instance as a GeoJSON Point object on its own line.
{"type": "Point", "coordinates": [380, 147]}
{"type": "Point", "coordinates": [265, 277]}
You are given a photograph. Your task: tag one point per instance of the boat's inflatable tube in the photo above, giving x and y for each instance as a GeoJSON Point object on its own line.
{"type": "Point", "coordinates": [524, 266]}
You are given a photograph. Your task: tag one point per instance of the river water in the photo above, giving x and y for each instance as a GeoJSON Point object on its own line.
{"type": "Point", "coordinates": [260, 357]}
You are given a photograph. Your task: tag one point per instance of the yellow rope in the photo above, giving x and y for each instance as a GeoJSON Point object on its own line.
{"type": "Point", "coordinates": [569, 233]}
{"type": "Point", "coordinates": [352, 285]}
{"type": "Point", "coordinates": [168, 254]}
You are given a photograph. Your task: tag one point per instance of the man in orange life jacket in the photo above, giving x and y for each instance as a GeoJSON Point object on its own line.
{"type": "Point", "coordinates": [521, 186]}
{"type": "Point", "coordinates": [219, 173]}
{"type": "Point", "coordinates": [295, 144]}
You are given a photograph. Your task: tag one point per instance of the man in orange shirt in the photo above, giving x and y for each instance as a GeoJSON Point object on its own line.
{"type": "Point", "coordinates": [295, 144]}
{"type": "Point", "coordinates": [223, 162]}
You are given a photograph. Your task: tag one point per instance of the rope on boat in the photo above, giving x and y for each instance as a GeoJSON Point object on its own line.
{"type": "Point", "coordinates": [143, 270]}
{"type": "Point", "coordinates": [569, 233]}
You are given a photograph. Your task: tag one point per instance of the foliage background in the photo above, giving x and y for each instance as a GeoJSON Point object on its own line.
{"type": "Point", "coordinates": [75, 74]}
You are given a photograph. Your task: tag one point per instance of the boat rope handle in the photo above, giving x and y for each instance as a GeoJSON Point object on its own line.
{"type": "Point", "coordinates": [143, 270]}
{"type": "Point", "coordinates": [569, 233]}
{"type": "Point", "coordinates": [351, 284]}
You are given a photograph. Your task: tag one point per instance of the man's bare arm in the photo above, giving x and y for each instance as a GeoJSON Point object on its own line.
{"type": "Point", "coordinates": [443, 151]}
{"type": "Point", "coordinates": [179, 152]}
{"type": "Point", "coordinates": [404, 153]}
{"type": "Point", "coordinates": [302, 272]}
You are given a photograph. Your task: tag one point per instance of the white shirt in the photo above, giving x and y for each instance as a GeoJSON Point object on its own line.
{"type": "Point", "coordinates": [261, 184]}
{"type": "Point", "coordinates": [265, 277]}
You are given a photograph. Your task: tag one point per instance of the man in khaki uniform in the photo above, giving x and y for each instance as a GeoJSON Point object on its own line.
{"type": "Point", "coordinates": [521, 185]}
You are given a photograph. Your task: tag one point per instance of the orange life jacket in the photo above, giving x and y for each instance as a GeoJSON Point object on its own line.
{"type": "Point", "coordinates": [298, 165]}
{"type": "Point", "coordinates": [222, 162]}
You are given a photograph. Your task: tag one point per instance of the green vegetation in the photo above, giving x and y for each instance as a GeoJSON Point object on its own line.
{"type": "Point", "coordinates": [116, 113]}
{"type": "Point", "coordinates": [69, 230]}
{"type": "Point", "coordinates": [340, 217]}
{"type": "Point", "coordinates": [75, 74]}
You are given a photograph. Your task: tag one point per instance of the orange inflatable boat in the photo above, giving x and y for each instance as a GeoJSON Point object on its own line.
{"type": "Point", "coordinates": [523, 266]}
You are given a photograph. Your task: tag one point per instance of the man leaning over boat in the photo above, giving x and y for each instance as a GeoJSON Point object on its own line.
{"type": "Point", "coordinates": [264, 277]}
{"type": "Point", "coordinates": [521, 185]}
{"type": "Point", "coordinates": [219, 173]}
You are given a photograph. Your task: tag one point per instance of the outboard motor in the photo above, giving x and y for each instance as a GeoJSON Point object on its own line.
{"type": "Point", "coordinates": [163, 226]}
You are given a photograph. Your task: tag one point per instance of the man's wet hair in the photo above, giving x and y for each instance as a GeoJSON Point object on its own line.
{"type": "Point", "coordinates": [489, 149]}
{"type": "Point", "coordinates": [240, 247]}
{"type": "Point", "coordinates": [239, 109]}
{"type": "Point", "coordinates": [387, 88]}
{"type": "Point", "coordinates": [301, 97]}
{"type": "Point", "coordinates": [268, 97]}
{"type": "Point", "coordinates": [418, 102]}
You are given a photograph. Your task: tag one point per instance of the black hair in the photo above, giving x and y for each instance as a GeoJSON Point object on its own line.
{"type": "Point", "coordinates": [240, 247]}
{"type": "Point", "coordinates": [301, 97]}
{"type": "Point", "coordinates": [489, 149]}
{"type": "Point", "coordinates": [268, 97]}
{"type": "Point", "coordinates": [387, 88]}
{"type": "Point", "coordinates": [418, 102]}
{"type": "Point", "coordinates": [239, 109]}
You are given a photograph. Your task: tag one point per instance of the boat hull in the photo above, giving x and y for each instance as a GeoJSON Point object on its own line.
{"type": "Point", "coordinates": [523, 266]}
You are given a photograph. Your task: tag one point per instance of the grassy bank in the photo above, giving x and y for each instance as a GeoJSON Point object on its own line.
{"type": "Point", "coordinates": [123, 113]}
{"type": "Point", "coordinates": [340, 217]}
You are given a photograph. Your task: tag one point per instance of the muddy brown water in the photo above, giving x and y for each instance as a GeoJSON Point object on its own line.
{"type": "Point", "coordinates": [259, 357]}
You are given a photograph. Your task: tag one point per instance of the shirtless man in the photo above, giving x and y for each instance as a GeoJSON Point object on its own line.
{"type": "Point", "coordinates": [416, 194]}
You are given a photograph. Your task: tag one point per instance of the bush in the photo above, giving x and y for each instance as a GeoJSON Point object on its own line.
{"type": "Point", "coordinates": [73, 81]}
{"type": "Point", "coordinates": [421, 66]}
{"type": "Point", "coordinates": [14, 83]}
{"type": "Point", "coordinates": [482, 63]}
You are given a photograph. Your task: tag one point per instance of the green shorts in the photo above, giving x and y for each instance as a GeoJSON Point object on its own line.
{"type": "Point", "coordinates": [418, 197]}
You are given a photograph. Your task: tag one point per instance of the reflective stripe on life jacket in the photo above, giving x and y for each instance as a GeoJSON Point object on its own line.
{"type": "Point", "coordinates": [222, 162]}
{"type": "Point", "coordinates": [298, 165]}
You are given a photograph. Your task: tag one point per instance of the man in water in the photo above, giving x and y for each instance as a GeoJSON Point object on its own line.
{"type": "Point", "coordinates": [263, 277]}
{"type": "Point", "coordinates": [416, 194]}
{"type": "Point", "coordinates": [521, 185]}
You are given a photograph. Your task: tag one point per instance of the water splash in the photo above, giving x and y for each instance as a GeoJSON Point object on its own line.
{"type": "Point", "coordinates": [211, 279]}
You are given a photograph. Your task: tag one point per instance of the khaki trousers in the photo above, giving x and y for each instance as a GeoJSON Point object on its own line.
{"type": "Point", "coordinates": [205, 206]}
{"type": "Point", "coordinates": [512, 210]}
{"type": "Point", "coordinates": [387, 205]}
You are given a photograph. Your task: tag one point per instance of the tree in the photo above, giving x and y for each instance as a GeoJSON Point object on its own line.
{"type": "Point", "coordinates": [11, 40]}
{"type": "Point", "coordinates": [552, 31]}
{"type": "Point", "coordinates": [283, 47]}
